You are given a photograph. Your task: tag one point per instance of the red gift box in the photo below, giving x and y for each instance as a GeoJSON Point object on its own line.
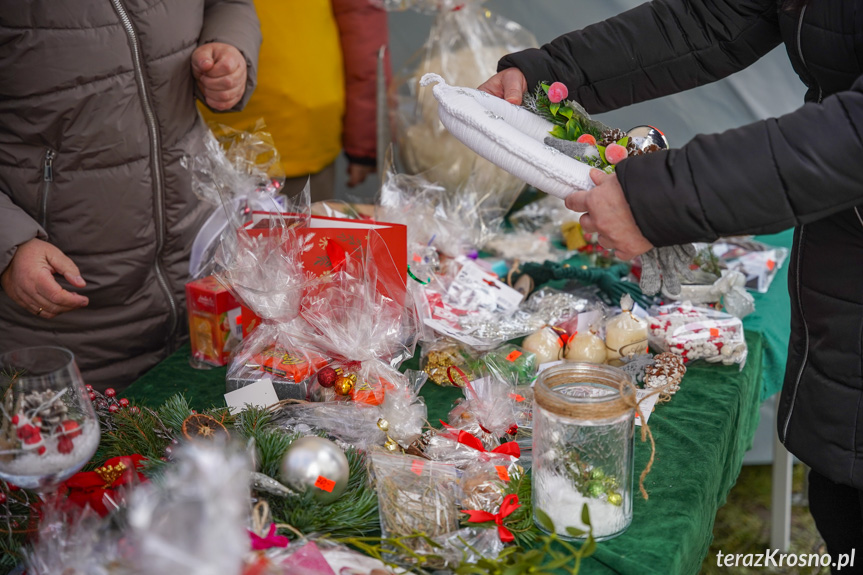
{"type": "Point", "coordinates": [214, 320]}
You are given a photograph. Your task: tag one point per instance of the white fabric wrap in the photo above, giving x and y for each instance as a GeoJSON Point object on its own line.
{"type": "Point", "coordinates": [508, 136]}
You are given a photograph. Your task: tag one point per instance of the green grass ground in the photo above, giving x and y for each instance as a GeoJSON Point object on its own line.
{"type": "Point", "coordinates": [743, 524]}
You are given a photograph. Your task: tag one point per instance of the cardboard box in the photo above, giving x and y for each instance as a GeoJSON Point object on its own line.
{"type": "Point", "coordinates": [215, 322]}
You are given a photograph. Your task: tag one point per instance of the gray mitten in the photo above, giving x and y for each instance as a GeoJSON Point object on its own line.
{"type": "Point", "coordinates": [663, 267]}
{"type": "Point", "coordinates": [572, 149]}
{"type": "Point", "coordinates": [650, 274]}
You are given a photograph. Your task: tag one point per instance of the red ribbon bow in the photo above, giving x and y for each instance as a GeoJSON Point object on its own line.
{"type": "Point", "coordinates": [466, 438]}
{"type": "Point", "coordinates": [510, 504]}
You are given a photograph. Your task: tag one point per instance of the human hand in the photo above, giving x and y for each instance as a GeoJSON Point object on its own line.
{"type": "Point", "coordinates": [29, 280]}
{"type": "Point", "coordinates": [357, 173]}
{"type": "Point", "coordinates": [220, 72]}
{"type": "Point", "coordinates": [508, 84]}
{"type": "Point", "coordinates": [608, 213]}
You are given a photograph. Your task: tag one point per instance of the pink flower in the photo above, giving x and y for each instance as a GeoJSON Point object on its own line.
{"type": "Point", "coordinates": [557, 93]}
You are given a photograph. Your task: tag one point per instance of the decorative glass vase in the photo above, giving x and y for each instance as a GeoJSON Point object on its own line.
{"type": "Point", "coordinates": [583, 427]}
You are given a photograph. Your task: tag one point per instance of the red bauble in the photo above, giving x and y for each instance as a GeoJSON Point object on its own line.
{"type": "Point", "coordinates": [113, 408]}
{"type": "Point", "coordinates": [124, 402]}
{"type": "Point", "coordinates": [327, 377]}
{"type": "Point", "coordinates": [110, 392]}
{"type": "Point", "coordinates": [92, 396]}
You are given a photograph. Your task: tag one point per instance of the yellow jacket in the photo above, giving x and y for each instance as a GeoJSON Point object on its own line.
{"type": "Point", "coordinates": [314, 53]}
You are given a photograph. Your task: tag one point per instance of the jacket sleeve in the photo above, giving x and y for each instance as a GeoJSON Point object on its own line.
{"type": "Point", "coordinates": [16, 227]}
{"type": "Point", "coordinates": [234, 22]}
{"type": "Point", "coordinates": [362, 30]}
{"type": "Point", "coordinates": [761, 178]}
{"type": "Point", "coordinates": [656, 49]}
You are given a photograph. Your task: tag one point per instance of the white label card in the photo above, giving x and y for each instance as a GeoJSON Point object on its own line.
{"type": "Point", "coordinates": [259, 394]}
{"type": "Point", "coordinates": [646, 405]}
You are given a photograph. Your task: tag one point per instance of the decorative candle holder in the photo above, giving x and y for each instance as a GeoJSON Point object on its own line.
{"type": "Point", "coordinates": [583, 426]}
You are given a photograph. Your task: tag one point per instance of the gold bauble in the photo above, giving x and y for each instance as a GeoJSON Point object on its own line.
{"type": "Point", "coordinates": [344, 385]}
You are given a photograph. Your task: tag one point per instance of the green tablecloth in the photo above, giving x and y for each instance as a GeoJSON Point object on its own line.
{"type": "Point", "coordinates": [701, 437]}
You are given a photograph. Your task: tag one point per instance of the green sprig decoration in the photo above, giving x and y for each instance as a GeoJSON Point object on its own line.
{"type": "Point", "coordinates": [549, 555]}
{"type": "Point", "coordinates": [570, 123]}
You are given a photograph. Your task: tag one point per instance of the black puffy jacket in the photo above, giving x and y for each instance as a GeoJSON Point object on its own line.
{"type": "Point", "coordinates": [803, 170]}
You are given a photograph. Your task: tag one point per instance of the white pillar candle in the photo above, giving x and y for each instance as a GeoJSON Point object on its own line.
{"type": "Point", "coordinates": [625, 334]}
{"type": "Point", "coordinates": [546, 343]}
{"type": "Point", "coordinates": [587, 347]}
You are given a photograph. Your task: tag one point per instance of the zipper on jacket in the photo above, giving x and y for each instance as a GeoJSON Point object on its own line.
{"type": "Point", "coordinates": [800, 51]}
{"type": "Point", "coordinates": [805, 331]}
{"type": "Point", "coordinates": [155, 155]}
{"type": "Point", "coordinates": [47, 179]}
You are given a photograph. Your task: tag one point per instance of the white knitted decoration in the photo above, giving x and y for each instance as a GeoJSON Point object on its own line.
{"type": "Point", "coordinates": [508, 136]}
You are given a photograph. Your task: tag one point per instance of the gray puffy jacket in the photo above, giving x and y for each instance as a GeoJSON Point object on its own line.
{"type": "Point", "coordinates": [97, 108]}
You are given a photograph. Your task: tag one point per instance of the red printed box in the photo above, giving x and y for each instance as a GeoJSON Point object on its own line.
{"type": "Point", "coordinates": [215, 322]}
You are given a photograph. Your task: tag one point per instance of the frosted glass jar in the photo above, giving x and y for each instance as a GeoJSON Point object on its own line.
{"type": "Point", "coordinates": [583, 428]}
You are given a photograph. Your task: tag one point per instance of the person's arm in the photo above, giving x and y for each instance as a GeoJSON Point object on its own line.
{"type": "Point", "coordinates": [362, 31]}
{"type": "Point", "coordinates": [230, 23]}
{"type": "Point", "coordinates": [656, 49]}
{"type": "Point", "coordinates": [761, 178]}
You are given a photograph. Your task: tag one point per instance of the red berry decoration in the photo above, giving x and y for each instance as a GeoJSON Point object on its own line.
{"type": "Point", "coordinates": [110, 392]}
{"type": "Point", "coordinates": [113, 408]}
{"type": "Point", "coordinates": [2, 498]}
{"type": "Point", "coordinates": [615, 153]}
{"type": "Point", "coordinates": [124, 402]}
{"type": "Point", "coordinates": [88, 387]}
{"type": "Point", "coordinates": [327, 377]}
{"type": "Point", "coordinates": [586, 139]}
{"type": "Point", "coordinates": [12, 487]}
{"type": "Point", "coordinates": [134, 410]}
{"type": "Point", "coordinates": [92, 396]}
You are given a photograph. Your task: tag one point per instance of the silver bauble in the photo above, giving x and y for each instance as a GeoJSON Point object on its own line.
{"type": "Point", "coordinates": [643, 136]}
{"type": "Point", "coordinates": [311, 463]}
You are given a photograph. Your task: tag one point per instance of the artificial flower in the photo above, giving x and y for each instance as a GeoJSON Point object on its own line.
{"type": "Point", "coordinates": [93, 488]}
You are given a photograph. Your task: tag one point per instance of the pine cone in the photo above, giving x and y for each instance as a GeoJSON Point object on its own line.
{"type": "Point", "coordinates": [50, 415]}
{"type": "Point", "coordinates": [610, 136]}
{"type": "Point", "coordinates": [666, 372]}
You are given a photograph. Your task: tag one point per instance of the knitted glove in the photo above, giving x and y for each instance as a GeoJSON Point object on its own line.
{"type": "Point", "coordinates": [664, 267]}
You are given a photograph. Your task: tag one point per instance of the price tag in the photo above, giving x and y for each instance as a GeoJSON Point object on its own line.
{"type": "Point", "coordinates": [325, 484]}
{"type": "Point", "coordinates": [417, 259]}
{"type": "Point", "coordinates": [502, 472]}
{"type": "Point", "coordinates": [417, 466]}
{"type": "Point", "coordinates": [513, 355]}
{"type": "Point", "coordinates": [714, 332]}
{"type": "Point", "coordinates": [517, 397]}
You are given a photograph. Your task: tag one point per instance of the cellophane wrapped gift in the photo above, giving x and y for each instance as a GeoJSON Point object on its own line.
{"type": "Point", "coordinates": [698, 333]}
{"type": "Point", "coordinates": [360, 324]}
{"type": "Point", "coordinates": [486, 411]}
{"type": "Point", "coordinates": [464, 45]}
{"type": "Point", "coordinates": [265, 272]}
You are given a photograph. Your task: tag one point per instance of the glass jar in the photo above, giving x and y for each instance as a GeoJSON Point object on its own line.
{"type": "Point", "coordinates": [583, 428]}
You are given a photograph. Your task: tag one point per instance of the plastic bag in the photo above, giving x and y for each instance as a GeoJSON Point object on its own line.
{"type": "Point", "coordinates": [438, 356]}
{"type": "Point", "coordinates": [363, 327]}
{"type": "Point", "coordinates": [756, 260]}
{"type": "Point", "coordinates": [698, 333]}
{"type": "Point", "coordinates": [511, 364]}
{"type": "Point", "coordinates": [545, 215]}
{"type": "Point", "coordinates": [464, 45]}
{"type": "Point", "coordinates": [486, 411]}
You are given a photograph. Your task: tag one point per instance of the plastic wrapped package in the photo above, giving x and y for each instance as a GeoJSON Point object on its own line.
{"type": "Point", "coordinates": [511, 364]}
{"type": "Point", "coordinates": [546, 215]}
{"type": "Point", "coordinates": [416, 496]}
{"type": "Point", "coordinates": [757, 261]}
{"type": "Point", "coordinates": [366, 330]}
{"type": "Point", "coordinates": [322, 557]}
{"type": "Point", "coordinates": [432, 215]}
{"type": "Point", "coordinates": [459, 448]}
{"type": "Point", "coordinates": [698, 333]}
{"type": "Point", "coordinates": [524, 247]}
{"type": "Point", "coordinates": [438, 356]}
{"type": "Point", "coordinates": [464, 45]}
{"type": "Point", "coordinates": [486, 411]}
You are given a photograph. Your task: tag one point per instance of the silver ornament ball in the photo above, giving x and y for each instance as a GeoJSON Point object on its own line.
{"type": "Point", "coordinates": [643, 136]}
{"type": "Point", "coordinates": [312, 463]}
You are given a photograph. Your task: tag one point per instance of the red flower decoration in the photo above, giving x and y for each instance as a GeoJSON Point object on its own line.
{"type": "Point", "coordinates": [270, 540]}
{"type": "Point", "coordinates": [92, 487]}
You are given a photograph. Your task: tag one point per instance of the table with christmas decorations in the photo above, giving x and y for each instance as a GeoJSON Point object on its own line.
{"type": "Point", "coordinates": [458, 379]}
